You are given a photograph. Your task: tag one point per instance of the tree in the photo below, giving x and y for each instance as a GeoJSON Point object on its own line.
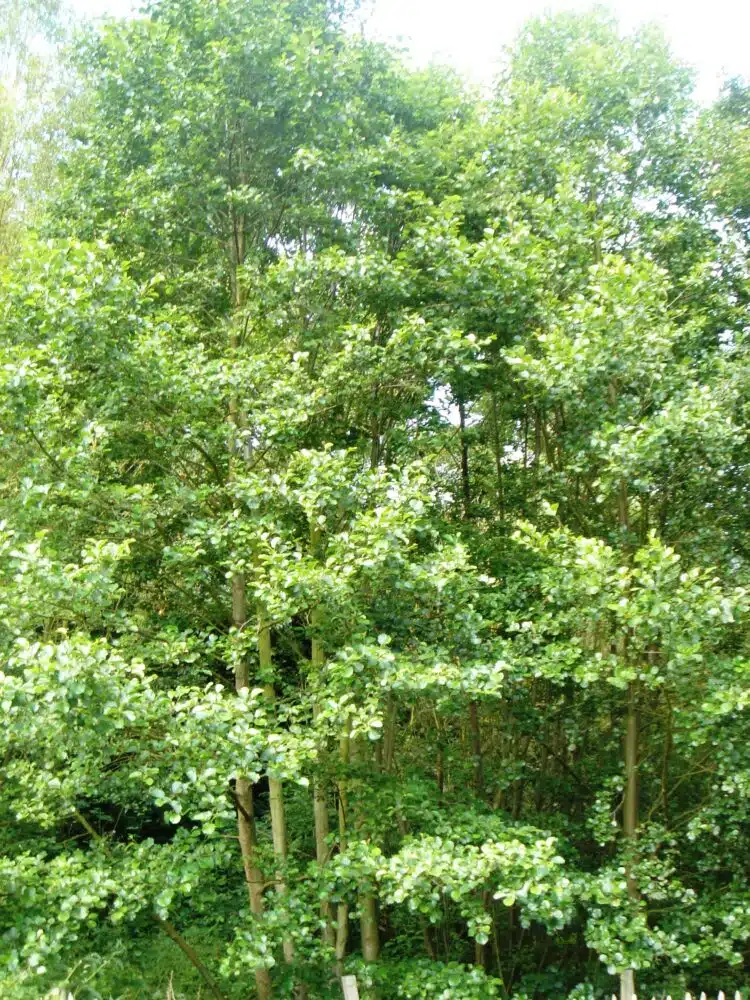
{"type": "Point", "coordinates": [356, 614]}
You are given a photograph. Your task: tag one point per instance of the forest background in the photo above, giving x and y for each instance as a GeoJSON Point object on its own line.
{"type": "Point", "coordinates": [374, 476]}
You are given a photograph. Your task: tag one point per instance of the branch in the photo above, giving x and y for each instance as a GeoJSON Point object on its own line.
{"type": "Point", "coordinates": [169, 929]}
{"type": "Point", "coordinates": [87, 826]}
{"type": "Point", "coordinates": [51, 458]}
{"type": "Point", "coordinates": [239, 805]}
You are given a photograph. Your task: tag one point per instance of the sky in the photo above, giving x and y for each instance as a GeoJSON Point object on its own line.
{"type": "Point", "coordinates": [711, 35]}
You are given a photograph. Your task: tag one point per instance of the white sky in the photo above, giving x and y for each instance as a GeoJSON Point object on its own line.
{"type": "Point", "coordinates": [711, 35]}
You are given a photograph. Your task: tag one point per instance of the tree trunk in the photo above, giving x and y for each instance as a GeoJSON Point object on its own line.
{"type": "Point", "coordinates": [320, 801]}
{"type": "Point", "coordinates": [244, 794]}
{"type": "Point", "coordinates": [275, 787]}
{"type": "Point", "coordinates": [368, 924]}
{"type": "Point", "coordinates": [465, 484]}
{"type": "Point", "coordinates": [665, 761]}
{"type": "Point", "coordinates": [627, 985]}
{"type": "Point", "coordinates": [476, 748]}
{"type": "Point", "coordinates": [630, 799]}
{"type": "Point", "coordinates": [342, 911]}
{"type": "Point", "coordinates": [429, 948]}
{"type": "Point", "coordinates": [480, 950]}
{"type": "Point", "coordinates": [243, 789]}
{"type": "Point", "coordinates": [389, 734]}
{"type": "Point", "coordinates": [630, 803]}
{"type": "Point", "coordinates": [541, 778]}
{"type": "Point", "coordinates": [368, 907]}
{"type": "Point", "coordinates": [498, 456]}
{"type": "Point", "coordinates": [630, 814]}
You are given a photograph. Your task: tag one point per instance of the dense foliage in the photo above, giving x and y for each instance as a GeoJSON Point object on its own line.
{"type": "Point", "coordinates": [375, 583]}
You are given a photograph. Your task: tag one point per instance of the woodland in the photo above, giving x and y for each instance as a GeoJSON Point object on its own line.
{"type": "Point", "coordinates": [374, 508]}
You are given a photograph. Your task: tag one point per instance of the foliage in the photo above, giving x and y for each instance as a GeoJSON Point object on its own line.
{"type": "Point", "coordinates": [373, 469]}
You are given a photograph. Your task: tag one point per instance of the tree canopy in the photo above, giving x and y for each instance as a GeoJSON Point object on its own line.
{"type": "Point", "coordinates": [374, 574]}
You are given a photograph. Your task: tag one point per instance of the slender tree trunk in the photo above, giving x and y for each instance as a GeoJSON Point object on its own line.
{"type": "Point", "coordinates": [665, 761]}
{"type": "Point", "coordinates": [630, 804]}
{"type": "Point", "coordinates": [630, 800]}
{"type": "Point", "coordinates": [478, 955]}
{"type": "Point", "coordinates": [622, 506]}
{"type": "Point", "coordinates": [244, 793]}
{"type": "Point", "coordinates": [465, 484]}
{"type": "Point", "coordinates": [497, 445]}
{"type": "Point", "coordinates": [480, 950]}
{"type": "Point", "coordinates": [243, 789]}
{"type": "Point", "coordinates": [275, 787]}
{"type": "Point", "coordinates": [368, 907]}
{"type": "Point", "coordinates": [541, 778]}
{"type": "Point", "coordinates": [476, 748]}
{"type": "Point", "coordinates": [342, 911]}
{"type": "Point", "coordinates": [368, 925]}
{"type": "Point", "coordinates": [627, 984]}
{"type": "Point", "coordinates": [542, 699]}
{"type": "Point", "coordinates": [549, 449]}
{"type": "Point", "coordinates": [525, 439]}
{"type": "Point", "coordinates": [389, 734]}
{"type": "Point", "coordinates": [322, 832]}
{"type": "Point", "coordinates": [320, 800]}
{"type": "Point", "coordinates": [476, 738]}
{"type": "Point", "coordinates": [427, 940]}
{"type": "Point", "coordinates": [374, 440]}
